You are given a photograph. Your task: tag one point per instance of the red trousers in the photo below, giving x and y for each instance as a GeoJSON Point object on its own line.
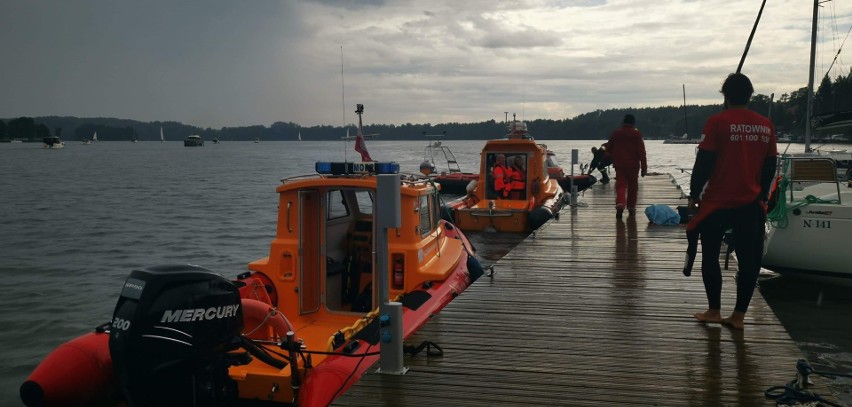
{"type": "Point", "coordinates": [626, 187]}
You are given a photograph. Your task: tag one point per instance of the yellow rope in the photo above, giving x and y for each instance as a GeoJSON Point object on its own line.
{"type": "Point", "coordinates": [350, 331]}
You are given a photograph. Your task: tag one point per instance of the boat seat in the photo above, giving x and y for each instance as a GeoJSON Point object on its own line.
{"type": "Point", "coordinates": [813, 170]}
{"type": "Point", "coordinates": [818, 169]}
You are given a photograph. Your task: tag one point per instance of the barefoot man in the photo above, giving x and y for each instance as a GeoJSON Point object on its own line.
{"type": "Point", "coordinates": [730, 182]}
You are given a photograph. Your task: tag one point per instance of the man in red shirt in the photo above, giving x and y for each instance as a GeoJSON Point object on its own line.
{"type": "Point", "coordinates": [730, 184]}
{"type": "Point", "coordinates": [627, 150]}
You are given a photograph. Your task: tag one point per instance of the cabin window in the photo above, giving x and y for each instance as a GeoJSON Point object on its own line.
{"type": "Point", "coordinates": [336, 205]}
{"type": "Point", "coordinates": [365, 202]}
{"type": "Point", "coordinates": [517, 181]}
{"type": "Point", "coordinates": [490, 187]}
{"type": "Point", "coordinates": [425, 216]}
{"type": "Point", "coordinates": [551, 161]}
{"type": "Point", "coordinates": [436, 209]}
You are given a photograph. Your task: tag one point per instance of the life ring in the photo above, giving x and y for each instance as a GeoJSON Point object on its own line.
{"type": "Point", "coordinates": [263, 321]}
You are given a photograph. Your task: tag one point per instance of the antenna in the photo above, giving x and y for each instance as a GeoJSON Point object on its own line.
{"type": "Point", "coordinates": [343, 102]}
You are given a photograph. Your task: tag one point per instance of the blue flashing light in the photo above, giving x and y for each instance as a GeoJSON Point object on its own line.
{"type": "Point", "coordinates": [347, 168]}
{"type": "Point", "coordinates": [322, 167]}
{"type": "Point", "coordinates": [387, 168]}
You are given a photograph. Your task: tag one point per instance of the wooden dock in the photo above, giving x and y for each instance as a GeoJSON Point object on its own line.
{"type": "Point", "coordinates": [592, 311]}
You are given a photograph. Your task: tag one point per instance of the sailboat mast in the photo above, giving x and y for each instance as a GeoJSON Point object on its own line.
{"type": "Point", "coordinates": [810, 110]}
{"type": "Point", "coordinates": [685, 128]}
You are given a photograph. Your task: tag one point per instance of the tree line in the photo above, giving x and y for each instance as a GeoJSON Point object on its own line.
{"type": "Point", "coordinates": [832, 101]}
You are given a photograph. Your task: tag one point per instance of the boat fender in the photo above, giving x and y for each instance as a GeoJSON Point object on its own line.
{"type": "Point", "coordinates": [474, 268]}
{"type": "Point", "coordinates": [325, 382]}
{"type": "Point", "coordinates": [77, 373]}
{"type": "Point", "coordinates": [539, 216]}
{"type": "Point", "coordinates": [263, 321]}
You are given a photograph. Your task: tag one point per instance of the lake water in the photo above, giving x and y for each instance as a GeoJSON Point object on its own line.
{"type": "Point", "coordinates": [76, 221]}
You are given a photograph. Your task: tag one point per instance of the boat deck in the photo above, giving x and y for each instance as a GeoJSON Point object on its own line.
{"type": "Point", "coordinates": [591, 311]}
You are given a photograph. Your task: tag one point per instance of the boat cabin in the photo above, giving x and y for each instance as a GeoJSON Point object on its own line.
{"type": "Point", "coordinates": [322, 259]}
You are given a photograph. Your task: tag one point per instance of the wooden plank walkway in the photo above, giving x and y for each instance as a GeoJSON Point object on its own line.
{"type": "Point", "coordinates": [590, 311]}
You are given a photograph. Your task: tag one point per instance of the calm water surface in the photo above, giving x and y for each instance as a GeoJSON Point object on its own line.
{"type": "Point", "coordinates": [74, 222]}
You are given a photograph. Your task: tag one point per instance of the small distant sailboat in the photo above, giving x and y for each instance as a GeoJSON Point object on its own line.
{"type": "Point", "coordinates": [685, 138]}
{"type": "Point", "coordinates": [300, 136]}
{"type": "Point", "coordinates": [162, 140]}
{"type": "Point", "coordinates": [95, 138]}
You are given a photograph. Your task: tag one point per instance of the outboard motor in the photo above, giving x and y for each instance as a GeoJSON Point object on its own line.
{"type": "Point", "coordinates": [170, 334]}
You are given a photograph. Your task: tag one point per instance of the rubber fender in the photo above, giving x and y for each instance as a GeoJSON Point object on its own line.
{"type": "Point", "coordinates": [539, 216]}
{"type": "Point", "coordinates": [77, 373]}
{"type": "Point", "coordinates": [474, 268]}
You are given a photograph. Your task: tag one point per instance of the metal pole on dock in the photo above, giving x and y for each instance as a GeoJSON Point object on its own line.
{"type": "Point", "coordinates": [388, 216]}
{"type": "Point", "coordinates": [575, 158]}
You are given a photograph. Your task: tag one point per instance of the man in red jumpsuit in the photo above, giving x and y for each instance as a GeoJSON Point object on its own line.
{"type": "Point", "coordinates": [733, 169]}
{"type": "Point", "coordinates": [627, 150]}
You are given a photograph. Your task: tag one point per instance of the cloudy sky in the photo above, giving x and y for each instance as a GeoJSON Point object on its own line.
{"type": "Point", "coordinates": [215, 63]}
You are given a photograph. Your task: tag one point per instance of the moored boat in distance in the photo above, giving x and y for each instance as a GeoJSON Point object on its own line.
{"type": "Point", "coordinates": [193, 141]}
{"type": "Point", "coordinates": [520, 196]}
{"type": "Point", "coordinates": [566, 181]}
{"type": "Point", "coordinates": [453, 181]}
{"type": "Point", "coordinates": [299, 328]}
{"type": "Point", "coordinates": [53, 142]}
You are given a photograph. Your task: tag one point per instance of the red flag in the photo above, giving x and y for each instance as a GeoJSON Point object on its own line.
{"type": "Point", "coordinates": [361, 147]}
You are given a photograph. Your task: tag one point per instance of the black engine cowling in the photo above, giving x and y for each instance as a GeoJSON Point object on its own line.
{"type": "Point", "coordinates": [170, 334]}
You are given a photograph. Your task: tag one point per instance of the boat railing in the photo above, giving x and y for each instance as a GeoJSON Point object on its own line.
{"type": "Point", "coordinates": [432, 151]}
{"type": "Point", "coordinates": [812, 170]}
{"type": "Point", "coordinates": [300, 177]}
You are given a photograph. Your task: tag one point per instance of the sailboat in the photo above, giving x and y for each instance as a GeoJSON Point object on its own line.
{"type": "Point", "coordinates": [162, 140]}
{"type": "Point", "coordinates": [300, 136]}
{"type": "Point", "coordinates": [95, 138]}
{"type": "Point", "coordinates": [809, 226]}
{"type": "Point", "coordinates": [685, 138]}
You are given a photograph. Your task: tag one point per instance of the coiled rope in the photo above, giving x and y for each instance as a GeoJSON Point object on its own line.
{"type": "Point", "coordinates": [796, 391]}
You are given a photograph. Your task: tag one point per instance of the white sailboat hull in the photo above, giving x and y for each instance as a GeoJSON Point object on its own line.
{"type": "Point", "coordinates": [815, 242]}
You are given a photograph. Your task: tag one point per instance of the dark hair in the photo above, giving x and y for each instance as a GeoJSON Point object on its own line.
{"type": "Point", "coordinates": [629, 119]}
{"type": "Point", "coordinates": [737, 89]}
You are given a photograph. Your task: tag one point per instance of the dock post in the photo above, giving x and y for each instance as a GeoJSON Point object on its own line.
{"type": "Point", "coordinates": [574, 160]}
{"type": "Point", "coordinates": [390, 335]}
{"type": "Point", "coordinates": [388, 216]}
